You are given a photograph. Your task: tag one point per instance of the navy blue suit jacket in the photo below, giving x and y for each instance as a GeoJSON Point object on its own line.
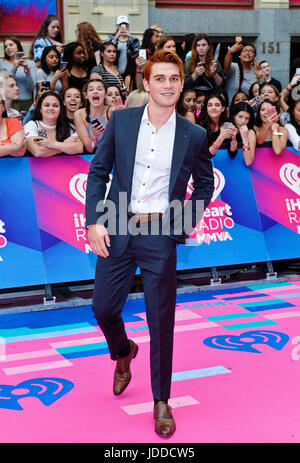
{"type": "Point", "coordinates": [117, 151]}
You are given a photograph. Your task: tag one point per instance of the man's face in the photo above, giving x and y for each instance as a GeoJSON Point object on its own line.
{"type": "Point", "coordinates": [266, 68]}
{"type": "Point", "coordinates": [165, 85]}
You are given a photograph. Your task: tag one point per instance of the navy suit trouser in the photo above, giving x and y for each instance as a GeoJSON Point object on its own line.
{"type": "Point", "coordinates": [156, 258]}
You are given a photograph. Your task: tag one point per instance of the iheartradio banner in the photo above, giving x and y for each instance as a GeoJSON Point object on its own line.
{"type": "Point", "coordinates": [253, 217]}
{"type": "Point", "coordinates": [276, 184]}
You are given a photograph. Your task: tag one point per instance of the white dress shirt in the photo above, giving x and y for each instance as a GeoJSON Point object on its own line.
{"type": "Point", "coordinates": [153, 159]}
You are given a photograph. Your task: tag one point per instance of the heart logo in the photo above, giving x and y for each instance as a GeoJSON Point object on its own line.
{"type": "Point", "coordinates": [78, 187]}
{"type": "Point", "coordinates": [290, 176]}
{"type": "Point", "coordinates": [219, 183]}
{"type": "Point", "coordinates": [3, 241]}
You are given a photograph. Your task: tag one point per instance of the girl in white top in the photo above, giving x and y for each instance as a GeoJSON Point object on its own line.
{"type": "Point", "coordinates": [268, 127]}
{"type": "Point", "coordinates": [49, 133]}
{"type": "Point", "coordinates": [50, 70]}
{"type": "Point", "coordinates": [21, 69]}
{"type": "Point", "coordinates": [293, 126]}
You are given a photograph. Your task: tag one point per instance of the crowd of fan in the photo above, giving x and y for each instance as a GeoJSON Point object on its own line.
{"type": "Point", "coordinates": [60, 99]}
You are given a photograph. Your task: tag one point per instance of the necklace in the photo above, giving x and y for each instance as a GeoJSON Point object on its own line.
{"type": "Point", "coordinates": [48, 126]}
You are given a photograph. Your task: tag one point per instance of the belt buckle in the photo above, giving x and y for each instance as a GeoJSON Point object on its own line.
{"type": "Point", "coordinates": [146, 218]}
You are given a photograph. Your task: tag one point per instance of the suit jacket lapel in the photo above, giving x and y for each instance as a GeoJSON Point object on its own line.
{"type": "Point", "coordinates": [179, 150]}
{"type": "Point", "coordinates": [131, 137]}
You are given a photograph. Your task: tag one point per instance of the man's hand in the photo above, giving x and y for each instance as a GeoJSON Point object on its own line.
{"type": "Point", "coordinates": [99, 240]}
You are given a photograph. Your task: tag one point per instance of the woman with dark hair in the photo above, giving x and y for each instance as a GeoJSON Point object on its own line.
{"type": "Point", "coordinates": [245, 72]}
{"type": "Point", "coordinates": [22, 70]}
{"type": "Point", "coordinates": [72, 101]}
{"type": "Point", "coordinates": [213, 118]}
{"type": "Point", "coordinates": [149, 42]}
{"type": "Point", "coordinates": [47, 35]}
{"type": "Point", "coordinates": [293, 127]}
{"type": "Point", "coordinates": [108, 71]}
{"type": "Point", "coordinates": [90, 121]}
{"type": "Point", "coordinates": [91, 42]}
{"type": "Point", "coordinates": [253, 90]}
{"type": "Point", "coordinates": [201, 71]}
{"type": "Point", "coordinates": [186, 47]}
{"type": "Point", "coordinates": [50, 133]}
{"type": "Point", "coordinates": [242, 116]}
{"type": "Point", "coordinates": [50, 70]}
{"type": "Point", "coordinates": [238, 97]}
{"type": "Point", "coordinates": [270, 92]}
{"type": "Point", "coordinates": [186, 105]}
{"type": "Point", "coordinates": [11, 134]}
{"type": "Point", "coordinates": [77, 71]}
{"type": "Point", "coordinates": [268, 127]}
{"type": "Point", "coordinates": [166, 42]}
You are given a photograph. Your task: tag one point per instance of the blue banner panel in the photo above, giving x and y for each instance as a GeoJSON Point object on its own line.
{"type": "Point", "coordinates": [21, 257]}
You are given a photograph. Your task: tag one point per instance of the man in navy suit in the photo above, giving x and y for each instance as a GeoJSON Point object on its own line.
{"type": "Point", "coordinates": [153, 153]}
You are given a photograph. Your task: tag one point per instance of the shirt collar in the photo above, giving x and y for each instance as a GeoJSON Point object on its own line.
{"type": "Point", "coordinates": [171, 119]}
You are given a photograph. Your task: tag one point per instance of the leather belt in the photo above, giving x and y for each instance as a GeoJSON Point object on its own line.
{"type": "Point", "coordinates": [145, 218]}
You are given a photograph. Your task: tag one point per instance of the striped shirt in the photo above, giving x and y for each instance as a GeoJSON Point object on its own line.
{"type": "Point", "coordinates": [107, 77]}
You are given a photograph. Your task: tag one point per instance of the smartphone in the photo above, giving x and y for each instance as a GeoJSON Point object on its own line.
{"type": "Point", "coordinates": [255, 101]}
{"type": "Point", "coordinates": [200, 63]}
{"type": "Point", "coordinates": [297, 70]}
{"type": "Point", "coordinates": [20, 54]}
{"type": "Point", "coordinates": [143, 53]}
{"type": "Point", "coordinates": [285, 118]}
{"type": "Point", "coordinates": [23, 113]}
{"type": "Point", "coordinates": [63, 65]}
{"type": "Point", "coordinates": [272, 110]}
{"type": "Point", "coordinates": [95, 121]}
{"type": "Point", "coordinates": [46, 84]}
{"type": "Point", "coordinates": [227, 125]}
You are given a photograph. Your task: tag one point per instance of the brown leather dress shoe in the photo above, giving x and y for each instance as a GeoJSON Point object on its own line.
{"type": "Point", "coordinates": [122, 374]}
{"type": "Point", "coordinates": [164, 422]}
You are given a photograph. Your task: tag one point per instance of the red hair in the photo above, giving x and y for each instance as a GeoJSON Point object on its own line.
{"type": "Point", "coordinates": [163, 56]}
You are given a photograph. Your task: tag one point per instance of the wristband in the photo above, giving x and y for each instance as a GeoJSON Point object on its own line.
{"type": "Point", "coordinates": [27, 70]}
{"type": "Point", "coordinates": [229, 51]}
{"type": "Point", "coordinates": [277, 133]}
{"type": "Point", "coordinates": [246, 148]}
{"type": "Point", "coordinates": [214, 146]}
{"type": "Point", "coordinates": [288, 88]}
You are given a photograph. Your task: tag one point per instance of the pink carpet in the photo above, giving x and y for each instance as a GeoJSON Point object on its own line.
{"type": "Point", "coordinates": [236, 372]}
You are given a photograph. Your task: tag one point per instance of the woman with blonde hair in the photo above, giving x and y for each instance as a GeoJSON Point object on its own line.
{"type": "Point", "coordinates": [201, 71]}
{"type": "Point", "coordinates": [90, 40]}
{"type": "Point", "coordinates": [137, 98]}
